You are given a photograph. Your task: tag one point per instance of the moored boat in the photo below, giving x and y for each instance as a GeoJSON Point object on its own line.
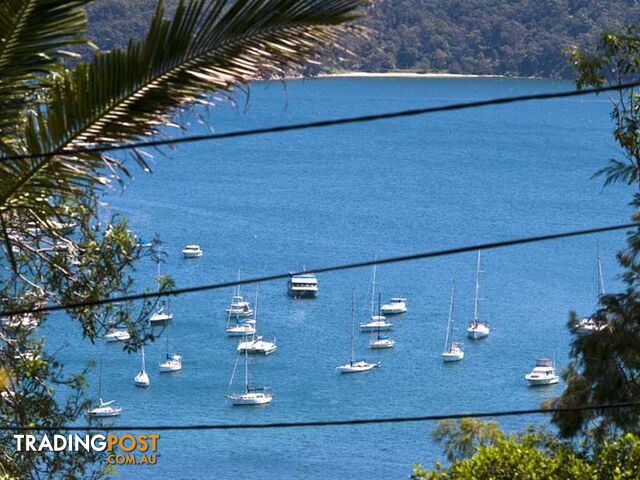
{"type": "Point", "coordinates": [396, 306]}
{"type": "Point", "coordinates": [303, 286]}
{"type": "Point", "coordinates": [192, 251]}
{"type": "Point", "coordinates": [454, 351]}
{"type": "Point", "coordinates": [544, 373]}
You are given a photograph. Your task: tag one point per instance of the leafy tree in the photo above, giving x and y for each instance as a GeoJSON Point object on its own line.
{"type": "Point", "coordinates": [55, 246]}
{"type": "Point", "coordinates": [605, 364]}
{"type": "Point", "coordinates": [532, 455]}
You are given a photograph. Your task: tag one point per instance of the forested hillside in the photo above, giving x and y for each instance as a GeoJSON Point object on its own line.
{"type": "Point", "coordinates": [504, 37]}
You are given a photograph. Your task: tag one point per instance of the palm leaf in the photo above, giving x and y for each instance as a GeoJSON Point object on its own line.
{"type": "Point", "coordinates": [33, 35]}
{"type": "Point", "coordinates": [125, 94]}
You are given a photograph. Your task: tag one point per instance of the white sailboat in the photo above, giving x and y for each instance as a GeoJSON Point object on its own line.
{"type": "Point", "coordinates": [589, 324]}
{"type": "Point", "coordinates": [172, 361]}
{"type": "Point", "coordinates": [255, 343]}
{"type": "Point", "coordinates": [376, 323]}
{"type": "Point", "coordinates": [104, 409]}
{"type": "Point", "coordinates": [142, 379]}
{"type": "Point", "coordinates": [242, 327]}
{"type": "Point", "coordinates": [477, 328]}
{"type": "Point", "coordinates": [453, 351]}
{"type": "Point", "coordinates": [380, 341]}
{"type": "Point", "coordinates": [250, 395]}
{"type": "Point", "coordinates": [355, 366]}
{"type": "Point", "coordinates": [163, 314]}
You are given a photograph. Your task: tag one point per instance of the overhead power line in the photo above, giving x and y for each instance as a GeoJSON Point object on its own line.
{"type": "Point", "coordinates": [335, 268]}
{"type": "Point", "coordinates": [328, 123]}
{"type": "Point", "coordinates": [324, 423]}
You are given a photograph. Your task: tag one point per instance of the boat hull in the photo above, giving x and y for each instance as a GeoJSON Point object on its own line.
{"type": "Point", "coordinates": [452, 357]}
{"type": "Point", "coordinates": [538, 382]}
{"type": "Point", "coordinates": [166, 368]}
{"type": "Point", "coordinates": [249, 399]}
{"type": "Point", "coordinates": [392, 311]}
{"type": "Point", "coordinates": [238, 314]}
{"type": "Point", "coordinates": [302, 293]}
{"type": "Point", "coordinates": [161, 319]}
{"type": "Point", "coordinates": [357, 367]}
{"type": "Point", "coordinates": [375, 328]}
{"type": "Point", "coordinates": [380, 344]}
{"type": "Point", "coordinates": [239, 333]}
{"type": "Point", "coordinates": [476, 333]}
{"type": "Point", "coordinates": [102, 412]}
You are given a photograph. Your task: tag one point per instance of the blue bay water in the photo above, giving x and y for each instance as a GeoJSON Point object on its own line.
{"type": "Point", "coordinates": [314, 198]}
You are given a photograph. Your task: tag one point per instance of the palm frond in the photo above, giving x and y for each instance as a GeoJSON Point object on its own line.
{"type": "Point", "coordinates": [125, 94]}
{"type": "Point", "coordinates": [33, 35]}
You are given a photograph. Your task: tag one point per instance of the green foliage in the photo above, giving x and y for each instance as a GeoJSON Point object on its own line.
{"type": "Point", "coordinates": [605, 364]}
{"type": "Point", "coordinates": [532, 455]}
{"type": "Point", "coordinates": [504, 37]}
{"type": "Point", "coordinates": [54, 245]}
{"type": "Point", "coordinates": [462, 439]}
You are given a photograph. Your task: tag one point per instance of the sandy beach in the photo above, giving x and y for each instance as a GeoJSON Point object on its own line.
{"type": "Point", "coordinates": [401, 74]}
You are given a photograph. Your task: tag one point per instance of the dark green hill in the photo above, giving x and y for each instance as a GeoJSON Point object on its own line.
{"type": "Point", "coordinates": [504, 37]}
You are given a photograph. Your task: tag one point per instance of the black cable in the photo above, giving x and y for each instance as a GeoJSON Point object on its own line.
{"type": "Point", "coordinates": [328, 123]}
{"type": "Point", "coordinates": [348, 266]}
{"type": "Point", "coordinates": [324, 423]}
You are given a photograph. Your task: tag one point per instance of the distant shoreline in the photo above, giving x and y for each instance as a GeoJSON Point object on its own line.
{"type": "Point", "coordinates": [405, 74]}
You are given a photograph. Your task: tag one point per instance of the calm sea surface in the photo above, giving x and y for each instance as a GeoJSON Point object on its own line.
{"type": "Point", "coordinates": [314, 198]}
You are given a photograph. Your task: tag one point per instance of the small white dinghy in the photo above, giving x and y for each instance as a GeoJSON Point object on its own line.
{"type": "Point", "coordinates": [141, 379]}
{"type": "Point", "coordinates": [192, 251]}
{"type": "Point", "coordinates": [355, 366]}
{"type": "Point", "coordinates": [453, 352]}
{"type": "Point", "coordinates": [544, 373]}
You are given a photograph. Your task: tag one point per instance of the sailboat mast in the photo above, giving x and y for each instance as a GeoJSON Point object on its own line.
{"type": "Point", "coordinates": [448, 336]}
{"type": "Point", "coordinates": [373, 288]}
{"type": "Point", "coordinates": [600, 277]}
{"type": "Point", "coordinates": [246, 370]}
{"type": "Point", "coordinates": [476, 308]}
{"type": "Point", "coordinates": [143, 364]}
{"type": "Point", "coordinates": [353, 312]}
{"type": "Point", "coordinates": [379, 315]}
{"type": "Point", "coordinates": [255, 313]}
